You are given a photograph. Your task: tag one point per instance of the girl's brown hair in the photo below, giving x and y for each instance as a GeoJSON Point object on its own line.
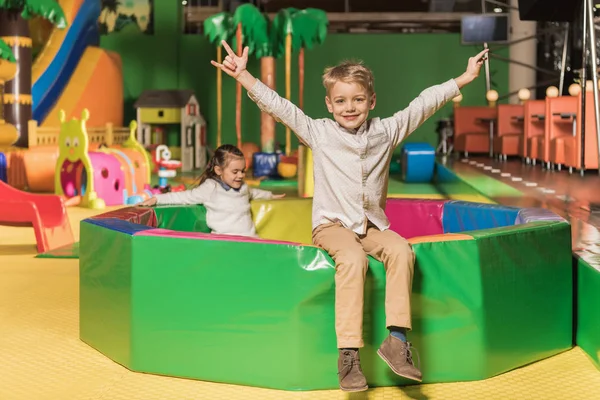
{"type": "Point", "coordinates": [221, 158]}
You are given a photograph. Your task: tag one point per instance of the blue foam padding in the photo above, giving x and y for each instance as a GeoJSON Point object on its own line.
{"type": "Point", "coordinates": [418, 162]}
{"type": "Point", "coordinates": [119, 225]}
{"type": "Point", "coordinates": [461, 216]}
{"type": "Point", "coordinates": [81, 33]}
{"type": "Point", "coordinates": [444, 174]}
{"type": "Point", "coordinates": [3, 167]}
{"type": "Point", "coordinates": [265, 164]}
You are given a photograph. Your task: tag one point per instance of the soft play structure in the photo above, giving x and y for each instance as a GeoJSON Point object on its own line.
{"type": "Point", "coordinates": [72, 73]}
{"type": "Point", "coordinates": [107, 176]}
{"type": "Point", "coordinates": [492, 291]}
{"type": "Point", "coordinates": [47, 215]}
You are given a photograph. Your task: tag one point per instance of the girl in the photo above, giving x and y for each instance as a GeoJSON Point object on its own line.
{"type": "Point", "coordinates": [223, 192]}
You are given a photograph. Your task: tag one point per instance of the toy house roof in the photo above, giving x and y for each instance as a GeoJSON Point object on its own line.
{"type": "Point", "coordinates": [164, 98]}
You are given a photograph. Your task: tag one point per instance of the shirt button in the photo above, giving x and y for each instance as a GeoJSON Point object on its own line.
{"type": "Point", "coordinates": [363, 156]}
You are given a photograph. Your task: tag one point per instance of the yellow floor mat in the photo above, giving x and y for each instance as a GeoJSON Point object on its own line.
{"type": "Point", "coordinates": [43, 358]}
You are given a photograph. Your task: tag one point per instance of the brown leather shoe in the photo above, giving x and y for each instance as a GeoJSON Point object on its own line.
{"type": "Point", "coordinates": [398, 356]}
{"type": "Point", "coordinates": [350, 373]}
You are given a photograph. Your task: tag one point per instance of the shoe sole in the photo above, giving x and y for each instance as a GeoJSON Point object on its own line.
{"type": "Point", "coordinates": [394, 369]}
{"type": "Point", "coordinates": [362, 389]}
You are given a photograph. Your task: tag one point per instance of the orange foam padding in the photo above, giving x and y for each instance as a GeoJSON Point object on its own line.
{"type": "Point", "coordinates": [446, 237]}
{"type": "Point", "coordinates": [40, 166]}
{"type": "Point", "coordinates": [33, 169]}
{"type": "Point", "coordinates": [471, 135]}
{"type": "Point", "coordinates": [96, 84]}
{"type": "Point", "coordinates": [533, 127]}
{"type": "Point", "coordinates": [47, 215]}
{"type": "Point", "coordinates": [16, 169]}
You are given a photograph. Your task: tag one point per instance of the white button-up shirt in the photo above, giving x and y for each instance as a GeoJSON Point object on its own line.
{"type": "Point", "coordinates": [351, 168]}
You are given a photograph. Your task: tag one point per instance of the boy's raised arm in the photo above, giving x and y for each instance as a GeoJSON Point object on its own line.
{"type": "Point", "coordinates": [268, 100]}
{"type": "Point", "coordinates": [405, 122]}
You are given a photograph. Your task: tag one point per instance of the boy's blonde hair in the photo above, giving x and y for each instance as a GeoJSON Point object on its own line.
{"type": "Point", "coordinates": [349, 71]}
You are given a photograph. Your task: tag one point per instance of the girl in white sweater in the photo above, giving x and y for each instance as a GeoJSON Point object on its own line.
{"type": "Point", "coordinates": [223, 192]}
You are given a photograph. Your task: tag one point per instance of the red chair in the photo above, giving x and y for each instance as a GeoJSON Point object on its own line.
{"type": "Point", "coordinates": [561, 125]}
{"type": "Point", "coordinates": [533, 128]}
{"type": "Point", "coordinates": [572, 144]}
{"type": "Point", "coordinates": [509, 130]}
{"type": "Point", "coordinates": [471, 131]}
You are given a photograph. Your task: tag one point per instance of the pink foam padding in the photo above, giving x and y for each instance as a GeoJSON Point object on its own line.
{"type": "Point", "coordinates": [109, 180]}
{"type": "Point", "coordinates": [411, 218]}
{"type": "Point", "coordinates": [209, 236]}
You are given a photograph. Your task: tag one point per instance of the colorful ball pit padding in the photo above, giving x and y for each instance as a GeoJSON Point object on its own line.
{"type": "Point", "coordinates": [108, 176]}
{"type": "Point", "coordinates": [158, 294]}
{"type": "Point", "coordinates": [418, 162]}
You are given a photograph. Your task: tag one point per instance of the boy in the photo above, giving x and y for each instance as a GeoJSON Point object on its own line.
{"type": "Point", "coordinates": [351, 157]}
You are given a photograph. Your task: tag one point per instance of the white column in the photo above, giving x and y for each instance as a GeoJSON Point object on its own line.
{"type": "Point", "coordinates": [525, 52]}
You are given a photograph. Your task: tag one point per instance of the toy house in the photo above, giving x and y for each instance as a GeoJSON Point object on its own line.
{"type": "Point", "coordinates": [172, 117]}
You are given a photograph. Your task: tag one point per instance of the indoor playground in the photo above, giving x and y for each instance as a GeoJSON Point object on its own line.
{"type": "Point", "coordinates": [105, 104]}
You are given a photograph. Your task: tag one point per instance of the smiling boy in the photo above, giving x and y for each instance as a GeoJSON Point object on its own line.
{"type": "Point", "coordinates": [351, 157]}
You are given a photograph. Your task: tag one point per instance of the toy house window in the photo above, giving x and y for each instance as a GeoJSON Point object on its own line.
{"type": "Point", "coordinates": [161, 113]}
{"type": "Point", "coordinates": [189, 136]}
{"type": "Point", "coordinates": [191, 109]}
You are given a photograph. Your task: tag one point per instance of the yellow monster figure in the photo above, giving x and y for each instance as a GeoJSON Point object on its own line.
{"type": "Point", "coordinates": [74, 173]}
{"type": "Point", "coordinates": [132, 143]}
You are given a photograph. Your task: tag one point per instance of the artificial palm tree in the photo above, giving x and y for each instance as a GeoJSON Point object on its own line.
{"type": "Point", "coordinates": [8, 69]}
{"type": "Point", "coordinates": [219, 27]}
{"type": "Point", "coordinates": [267, 48]}
{"type": "Point", "coordinates": [283, 30]}
{"type": "Point", "coordinates": [14, 26]}
{"type": "Point", "coordinates": [248, 22]}
{"type": "Point", "coordinates": [309, 28]}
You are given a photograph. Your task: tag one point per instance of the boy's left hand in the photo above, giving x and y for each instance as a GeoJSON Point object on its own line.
{"type": "Point", "coordinates": [475, 63]}
{"type": "Point", "coordinates": [279, 196]}
{"type": "Point", "coordinates": [473, 68]}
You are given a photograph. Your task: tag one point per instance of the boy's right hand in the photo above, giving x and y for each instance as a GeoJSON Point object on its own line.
{"type": "Point", "coordinates": [148, 203]}
{"type": "Point", "coordinates": [233, 65]}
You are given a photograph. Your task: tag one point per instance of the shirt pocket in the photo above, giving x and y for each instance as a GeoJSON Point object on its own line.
{"type": "Point", "coordinates": [378, 142]}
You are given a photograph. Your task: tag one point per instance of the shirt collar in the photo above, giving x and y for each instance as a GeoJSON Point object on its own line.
{"type": "Point", "coordinates": [226, 186]}
{"type": "Point", "coordinates": [361, 129]}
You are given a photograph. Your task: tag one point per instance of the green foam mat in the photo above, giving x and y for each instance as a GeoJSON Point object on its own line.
{"type": "Point", "coordinates": [68, 251]}
{"type": "Point", "coordinates": [482, 183]}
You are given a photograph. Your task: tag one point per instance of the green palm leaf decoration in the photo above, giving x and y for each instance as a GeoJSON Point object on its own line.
{"type": "Point", "coordinates": [218, 27]}
{"type": "Point", "coordinates": [309, 28]}
{"type": "Point", "coordinates": [47, 9]}
{"type": "Point", "coordinates": [254, 26]}
{"type": "Point", "coordinates": [6, 52]}
{"type": "Point", "coordinates": [281, 27]}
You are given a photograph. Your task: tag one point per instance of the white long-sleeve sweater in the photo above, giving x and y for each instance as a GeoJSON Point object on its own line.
{"type": "Point", "coordinates": [227, 209]}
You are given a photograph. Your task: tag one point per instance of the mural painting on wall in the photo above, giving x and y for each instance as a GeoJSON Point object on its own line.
{"type": "Point", "coordinates": [118, 15]}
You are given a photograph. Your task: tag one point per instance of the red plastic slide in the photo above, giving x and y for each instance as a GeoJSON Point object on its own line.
{"type": "Point", "coordinates": [45, 212]}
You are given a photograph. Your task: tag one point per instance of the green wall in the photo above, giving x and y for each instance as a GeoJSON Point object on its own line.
{"type": "Point", "coordinates": [403, 65]}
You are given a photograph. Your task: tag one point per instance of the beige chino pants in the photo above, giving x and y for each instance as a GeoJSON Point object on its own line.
{"type": "Point", "coordinates": [349, 251]}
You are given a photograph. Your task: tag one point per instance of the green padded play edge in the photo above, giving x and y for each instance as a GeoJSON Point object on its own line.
{"type": "Point", "coordinates": [588, 309]}
{"type": "Point", "coordinates": [67, 251]}
{"type": "Point", "coordinates": [262, 314]}
{"type": "Point", "coordinates": [105, 307]}
{"type": "Point", "coordinates": [534, 264]}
